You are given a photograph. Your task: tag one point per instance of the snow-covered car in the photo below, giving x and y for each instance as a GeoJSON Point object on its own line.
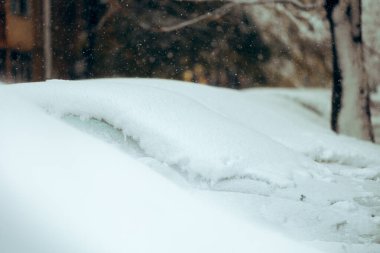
{"type": "Point", "coordinates": [148, 165]}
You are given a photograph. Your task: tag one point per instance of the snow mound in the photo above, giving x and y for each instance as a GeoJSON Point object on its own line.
{"type": "Point", "coordinates": [169, 124]}
{"type": "Point", "coordinates": [64, 191]}
{"type": "Point", "coordinates": [267, 152]}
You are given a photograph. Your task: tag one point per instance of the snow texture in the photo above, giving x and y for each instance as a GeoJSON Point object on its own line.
{"type": "Point", "coordinates": [235, 158]}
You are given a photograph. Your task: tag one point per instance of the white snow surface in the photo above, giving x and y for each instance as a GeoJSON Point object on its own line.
{"type": "Point", "coordinates": [79, 163]}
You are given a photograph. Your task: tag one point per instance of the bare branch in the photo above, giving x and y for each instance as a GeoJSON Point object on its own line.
{"type": "Point", "coordinates": [217, 13]}
{"type": "Point", "coordinates": [230, 4]}
{"type": "Point", "coordinates": [295, 3]}
{"type": "Point", "coordinates": [113, 7]}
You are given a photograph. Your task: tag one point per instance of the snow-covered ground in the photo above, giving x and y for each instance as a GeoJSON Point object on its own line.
{"type": "Point", "coordinates": [143, 165]}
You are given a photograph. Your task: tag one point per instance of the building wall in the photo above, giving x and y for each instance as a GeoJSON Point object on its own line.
{"type": "Point", "coordinates": [17, 42]}
{"type": "Point", "coordinates": [19, 32]}
{"type": "Point", "coordinates": [22, 43]}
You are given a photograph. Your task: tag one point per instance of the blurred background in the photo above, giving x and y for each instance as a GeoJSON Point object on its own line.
{"type": "Point", "coordinates": [235, 46]}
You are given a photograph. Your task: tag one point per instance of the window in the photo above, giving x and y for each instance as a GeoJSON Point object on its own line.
{"type": "Point", "coordinates": [21, 66]}
{"type": "Point", "coordinates": [20, 7]}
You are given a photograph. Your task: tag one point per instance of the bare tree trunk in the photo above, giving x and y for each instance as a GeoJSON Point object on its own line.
{"type": "Point", "coordinates": [47, 40]}
{"type": "Point", "coordinates": [350, 98]}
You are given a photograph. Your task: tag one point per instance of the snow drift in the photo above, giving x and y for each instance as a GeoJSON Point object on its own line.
{"type": "Point", "coordinates": [265, 143]}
